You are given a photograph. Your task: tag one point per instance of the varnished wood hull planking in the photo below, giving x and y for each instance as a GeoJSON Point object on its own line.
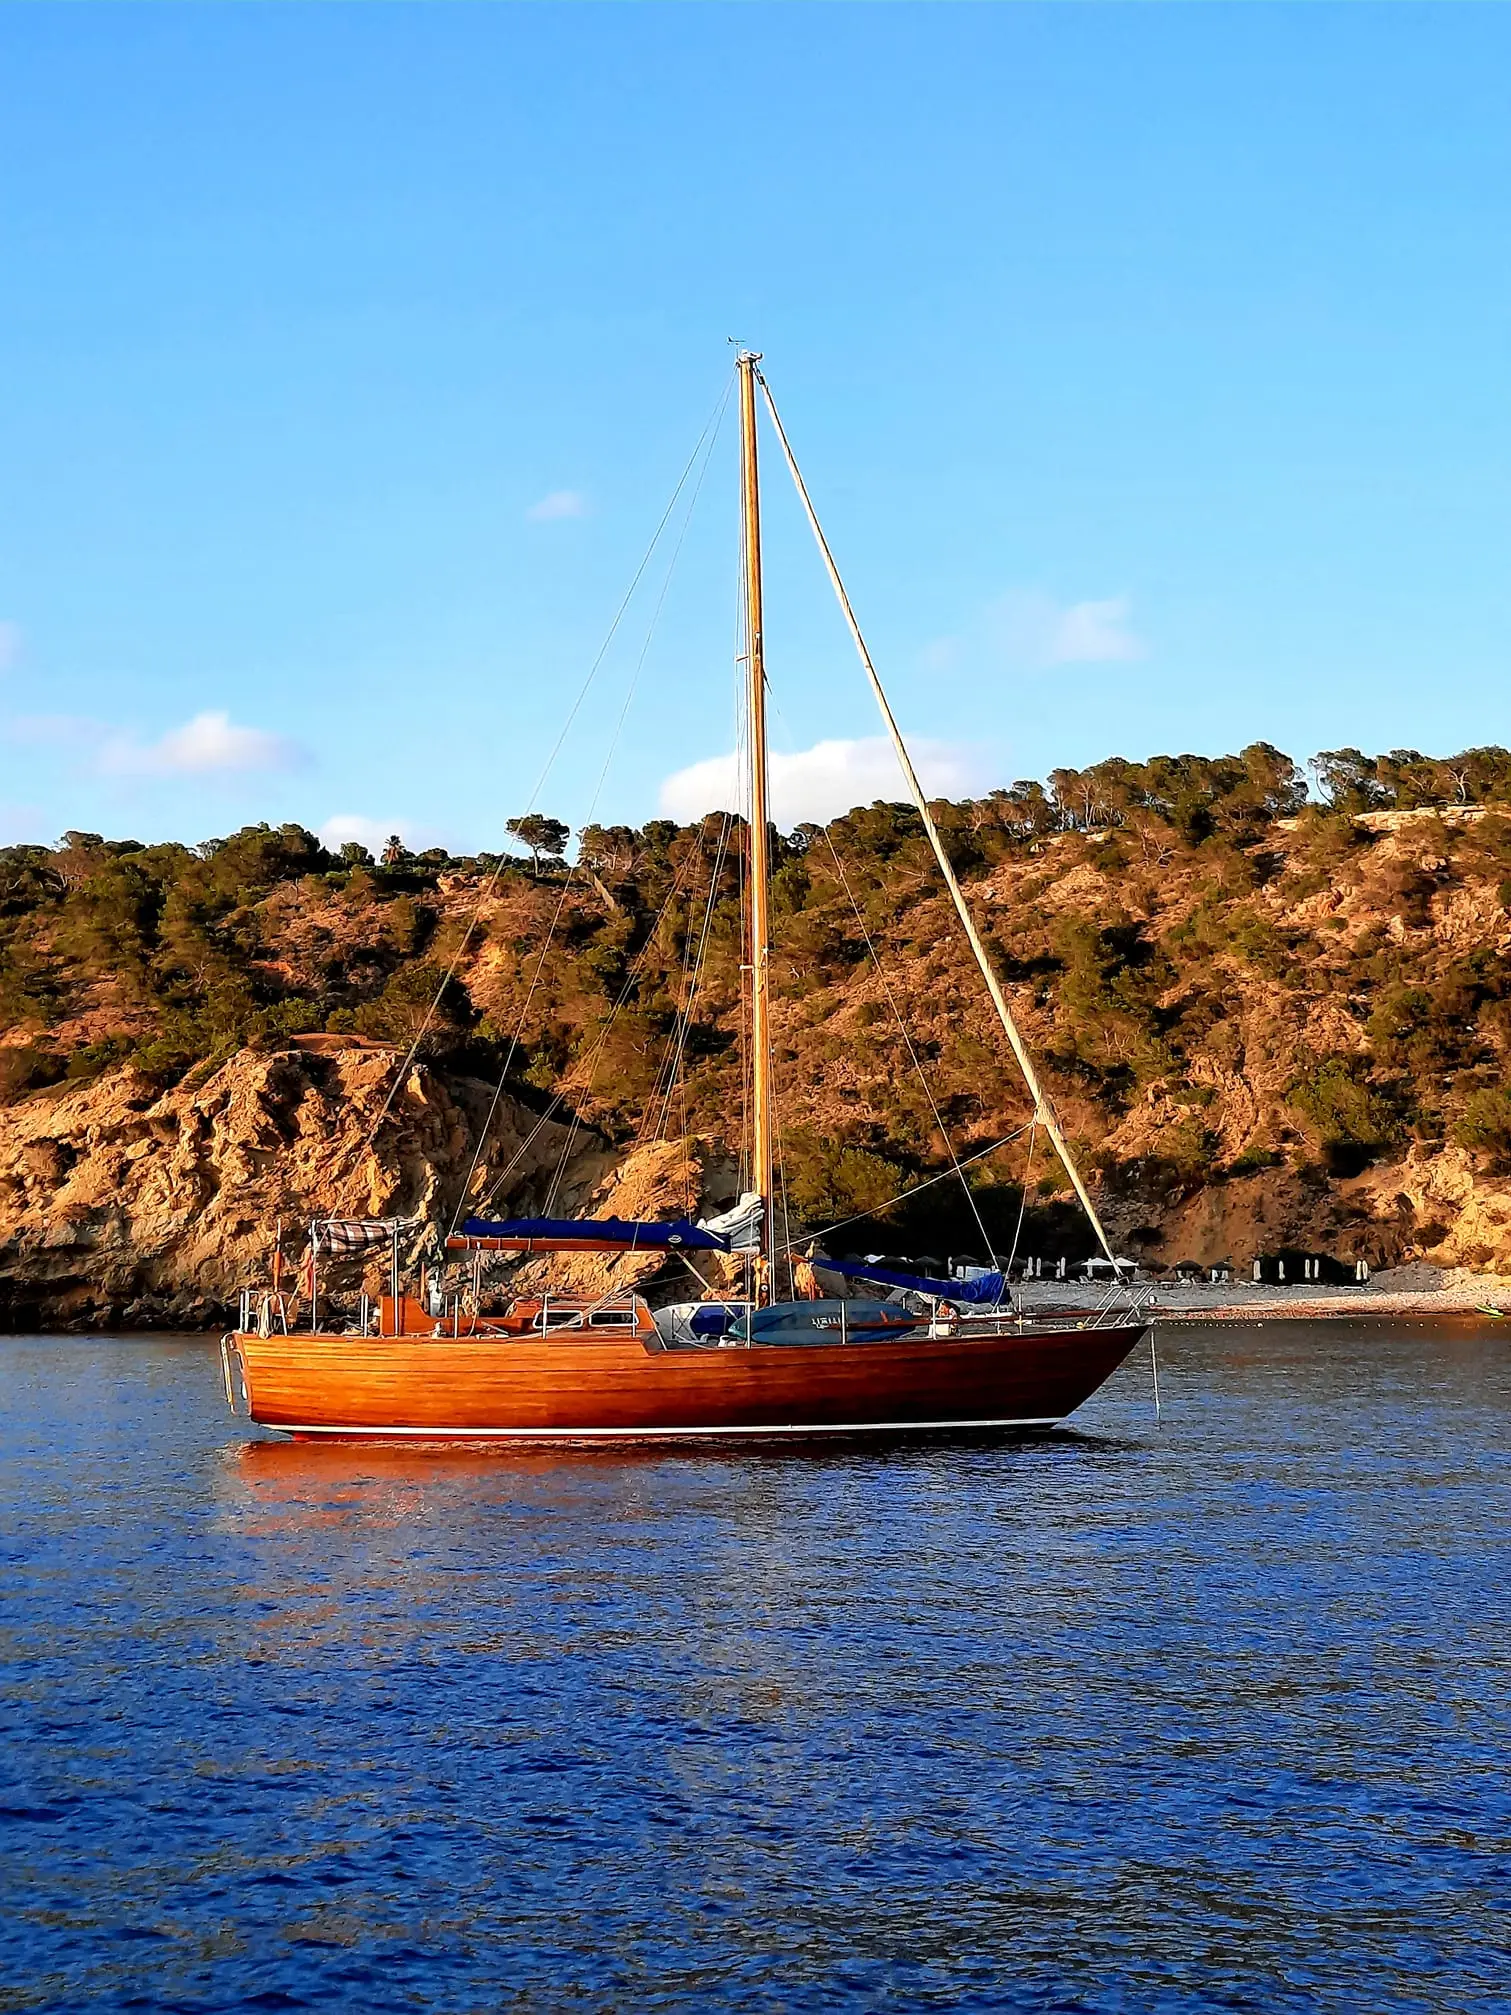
{"type": "Point", "coordinates": [615, 1387]}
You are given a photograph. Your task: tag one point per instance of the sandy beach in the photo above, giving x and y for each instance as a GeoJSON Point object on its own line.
{"type": "Point", "coordinates": [1416, 1291]}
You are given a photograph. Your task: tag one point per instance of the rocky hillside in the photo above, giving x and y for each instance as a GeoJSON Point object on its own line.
{"type": "Point", "coordinates": [1267, 1023]}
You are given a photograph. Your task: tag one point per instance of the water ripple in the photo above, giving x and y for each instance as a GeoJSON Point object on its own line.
{"type": "Point", "coordinates": [1206, 1716]}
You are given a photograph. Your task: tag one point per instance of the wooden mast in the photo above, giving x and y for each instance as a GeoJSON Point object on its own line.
{"type": "Point", "coordinates": [760, 845]}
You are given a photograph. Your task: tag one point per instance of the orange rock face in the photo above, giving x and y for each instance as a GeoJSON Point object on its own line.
{"type": "Point", "coordinates": [1301, 1041]}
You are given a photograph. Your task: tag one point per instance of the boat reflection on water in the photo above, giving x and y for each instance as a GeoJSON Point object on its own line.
{"type": "Point", "coordinates": [384, 1483]}
{"type": "Point", "coordinates": [589, 1507]}
{"type": "Point", "coordinates": [321, 1476]}
{"type": "Point", "coordinates": [520, 1557]}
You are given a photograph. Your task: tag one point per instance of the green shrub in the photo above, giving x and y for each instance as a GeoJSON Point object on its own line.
{"type": "Point", "coordinates": [827, 1182]}
{"type": "Point", "coordinates": [97, 1057]}
{"type": "Point", "coordinates": [418, 1005]}
{"type": "Point", "coordinates": [1253, 1158]}
{"type": "Point", "coordinates": [1485, 1123]}
{"type": "Point", "coordinates": [24, 1067]}
{"type": "Point", "coordinates": [1352, 1120]}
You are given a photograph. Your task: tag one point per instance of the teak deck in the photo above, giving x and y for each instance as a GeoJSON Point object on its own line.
{"type": "Point", "coordinates": [585, 1386]}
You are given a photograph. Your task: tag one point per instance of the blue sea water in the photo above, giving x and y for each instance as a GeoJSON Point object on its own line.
{"type": "Point", "coordinates": [1211, 1714]}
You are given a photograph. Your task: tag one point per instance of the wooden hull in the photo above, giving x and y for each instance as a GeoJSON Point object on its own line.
{"type": "Point", "coordinates": [592, 1388]}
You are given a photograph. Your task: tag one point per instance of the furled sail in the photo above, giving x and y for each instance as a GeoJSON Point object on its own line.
{"type": "Point", "coordinates": [740, 1227]}
{"type": "Point", "coordinates": [583, 1234]}
{"type": "Point", "coordinates": [985, 1291]}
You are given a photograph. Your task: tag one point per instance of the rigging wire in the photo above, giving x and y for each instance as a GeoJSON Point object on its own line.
{"type": "Point", "coordinates": [559, 1098]}
{"type": "Point", "coordinates": [692, 980]}
{"type": "Point", "coordinates": [962, 908]}
{"type": "Point", "coordinates": [710, 434]}
{"type": "Point", "coordinates": [671, 568]}
{"type": "Point", "coordinates": [574, 1128]}
{"type": "Point", "coordinates": [663, 1086]}
{"type": "Point", "coordinates": [949, 1146]}
{"type": "Point", "coordinates": [781, 1162]}
{"type": "Point", "coordinates": [880, 1209]}
{"type": "Point", "coordinates": [710, 424]}
{"type": "Point", "coordinates": [591, 1060]}
{"type": "Point", "coordinates": [1028, 1164]}
{"type": "Point", "coordinates": [902, 1028]}
{"type": "Point", "coordinates": [742, 862]}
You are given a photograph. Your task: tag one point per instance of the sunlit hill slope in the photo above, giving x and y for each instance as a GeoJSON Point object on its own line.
{"type": "Point", "coordinates": [1266, 1021]}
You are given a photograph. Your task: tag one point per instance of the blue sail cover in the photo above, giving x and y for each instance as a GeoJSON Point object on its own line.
{"type": "Point", "coordinates": [986, 1291]}
{"type": "Point", "coordinates": [597, 1234]}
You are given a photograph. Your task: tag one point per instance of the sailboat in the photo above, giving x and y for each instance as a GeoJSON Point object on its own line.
{"type": "Point", "coordinates": [923, 1354]}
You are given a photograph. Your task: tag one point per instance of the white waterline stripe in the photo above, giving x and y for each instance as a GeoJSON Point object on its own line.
{"type": "Point", "coordinates": [650, 1433]}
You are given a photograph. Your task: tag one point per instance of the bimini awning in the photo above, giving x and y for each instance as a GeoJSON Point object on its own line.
{"type": "Point", "coordinates": [986, 1291]}
{"type": "Point", "coordinates": [582, 1234]}
{"type": "Point", "coordinates": [356, 1234]}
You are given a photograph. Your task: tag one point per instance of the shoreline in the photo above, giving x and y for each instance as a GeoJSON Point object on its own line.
{"type": "Point", "coordinates": [1418, 1292]}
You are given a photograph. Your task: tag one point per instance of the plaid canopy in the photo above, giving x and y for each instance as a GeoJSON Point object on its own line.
{"type": "Point", "coordinates": [355, 1234]}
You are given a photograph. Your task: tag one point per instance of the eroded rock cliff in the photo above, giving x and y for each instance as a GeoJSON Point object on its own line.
{"type": "Point", "coordinates": [121, 1203]}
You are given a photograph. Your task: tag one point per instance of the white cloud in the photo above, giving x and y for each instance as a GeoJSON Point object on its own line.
{"type": "Point", "coordinates": [1095, 633]}
{"type": "Point", "coordinates": [1029, 628]}
{"type": "Point", "coordinates": [822, 782]}
{"type": "Point", "coordinates": [10, 645]}
{"type": "Point", "coordinates": [558, 504]}
{"type": "Point", "coordinates": [209, 743]}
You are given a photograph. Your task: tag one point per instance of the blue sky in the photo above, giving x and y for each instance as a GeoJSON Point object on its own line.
{"type": "Point", "coordinates": [1149, 366]}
